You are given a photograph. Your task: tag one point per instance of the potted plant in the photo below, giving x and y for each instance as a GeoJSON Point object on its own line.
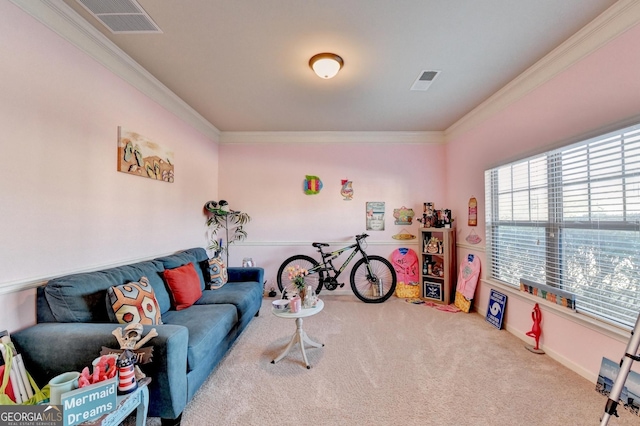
{"type": "Point", "coordinates": [231, 221]}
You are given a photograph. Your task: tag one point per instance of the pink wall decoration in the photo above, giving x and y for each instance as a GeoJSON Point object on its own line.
{"type": "Point", "coordinates": [347, 189]}
{"type": "Point", "coordinates": [312, 185]}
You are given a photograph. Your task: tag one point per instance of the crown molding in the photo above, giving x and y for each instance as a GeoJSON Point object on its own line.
{"type": "Point", "coordinates": [64, 21]}
{"type": "Point", "coordinates": [332, 137]}
{"type": "Point", "coordinates": [614, 21]}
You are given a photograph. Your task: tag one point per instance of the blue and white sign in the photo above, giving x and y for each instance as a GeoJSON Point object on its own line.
{"type": "Point", "coordinates": [90, 402]}
{"type": "Point", "coordinates": [432, 290]}
{"type": "Point", "coordinates": [495, 311]}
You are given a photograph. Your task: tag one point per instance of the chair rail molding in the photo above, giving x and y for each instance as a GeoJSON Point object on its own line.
{"type": "Point", "coordinates": [33, 282]}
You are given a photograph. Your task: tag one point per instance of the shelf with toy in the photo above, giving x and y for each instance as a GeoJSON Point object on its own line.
{"type": "Point", "coordinates": [438, 264]}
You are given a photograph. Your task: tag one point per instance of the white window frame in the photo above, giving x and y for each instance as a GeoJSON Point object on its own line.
{"type": "Point", "coordinates": [533, 245]}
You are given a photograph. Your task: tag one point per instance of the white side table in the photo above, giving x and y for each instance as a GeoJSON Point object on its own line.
{"type": "Point", "coordinates": [299, 336]}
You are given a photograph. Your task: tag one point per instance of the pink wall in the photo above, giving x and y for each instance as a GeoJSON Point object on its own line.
{"type": "Point", "coordinates": [266, 182]}
{"type": "Point", "coordinates": [597, 92]}
{"type": "Point", "coordinates": [64, 206]}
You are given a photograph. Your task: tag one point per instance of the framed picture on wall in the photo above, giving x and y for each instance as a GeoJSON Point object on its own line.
{"type": "Point", "coordinates": [375, 216]}
{"type": "Point", "coordinates": [140, 156]}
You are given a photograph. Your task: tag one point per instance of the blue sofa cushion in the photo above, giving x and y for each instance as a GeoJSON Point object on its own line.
{"type": "Point", "coordinates": [243, 296]}
{"type": "Point", "coordinates": [208, 326]}
{"type": "Point", "coordinates": [82, 297]}
{"type": "Point", "coordinates": [240, 275]}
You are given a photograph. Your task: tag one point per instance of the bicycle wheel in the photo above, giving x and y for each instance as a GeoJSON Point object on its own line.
{"type": "Point", "coordinates": [314, 279]}
{"type": "Point", "coordinates": [374, 287]}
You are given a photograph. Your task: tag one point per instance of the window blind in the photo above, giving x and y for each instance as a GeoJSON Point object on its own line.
{"type": "Point", "coordinates": [570, 218]}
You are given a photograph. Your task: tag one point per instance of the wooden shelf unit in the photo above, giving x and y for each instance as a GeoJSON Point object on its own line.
{"type": "Point", "coordinates": [436, 287]}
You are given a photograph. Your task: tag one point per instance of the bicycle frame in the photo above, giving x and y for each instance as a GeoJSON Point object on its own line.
{"type": "Point", "coordinates": [327, 259]}
{"type": "Point", "coordinates": [373, 279]}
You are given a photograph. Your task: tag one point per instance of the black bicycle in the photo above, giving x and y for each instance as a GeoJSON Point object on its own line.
{"type": "Point", "coordinates": [373, 279]}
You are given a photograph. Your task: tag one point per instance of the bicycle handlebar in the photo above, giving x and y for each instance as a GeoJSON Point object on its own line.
{"type": "Point", "coordinates": [361, 236]}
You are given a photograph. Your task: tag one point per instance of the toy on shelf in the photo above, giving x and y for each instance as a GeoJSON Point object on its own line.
{"type": "Point", "coordinates": [428, 215]}
{"type": "Point", "coordinates": [433, 246]}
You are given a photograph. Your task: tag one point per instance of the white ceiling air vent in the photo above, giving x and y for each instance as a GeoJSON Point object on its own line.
{"type": "Point", "coordinates": [424, 80]}
{"type": "Point", "coordinates": [121, 16]}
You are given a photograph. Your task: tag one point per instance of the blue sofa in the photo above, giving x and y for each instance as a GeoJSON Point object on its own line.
{"type": "Point", "coordinates": [73, 324]}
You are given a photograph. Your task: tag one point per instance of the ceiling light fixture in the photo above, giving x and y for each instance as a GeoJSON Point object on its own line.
{"type": "Point", "coordinates": [326, 65]}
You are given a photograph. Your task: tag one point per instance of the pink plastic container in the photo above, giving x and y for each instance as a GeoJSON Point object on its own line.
{"type": "Point", "coordinates": [295, 304]}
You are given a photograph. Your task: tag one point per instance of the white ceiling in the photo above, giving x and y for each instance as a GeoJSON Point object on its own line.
{"type": "Point", "coordinates": [243, 64]}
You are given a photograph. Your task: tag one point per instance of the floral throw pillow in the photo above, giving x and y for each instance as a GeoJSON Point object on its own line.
{"type": "Point", "coordinates": [134, 302]}
{"type": "Point", "coordinates": [218, 273]}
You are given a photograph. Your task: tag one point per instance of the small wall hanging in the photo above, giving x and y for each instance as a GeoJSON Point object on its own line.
{"type": "Point", "coordinates": [473, 238]}
{"type": "Point", "coordinates": [403, 215]}
{"type": "Point", "coordinates": [139, 156]}
{"type": "Point", "coordinates": [404, 235]}
{"type": "Point", "coordinates": [473, 211]}
{"type": "Point", "coordinates": [347, 190]}
{"type": "Point", "coordinates": [375, 215]}
{"type": "Point", "coordinates": [312, 185]}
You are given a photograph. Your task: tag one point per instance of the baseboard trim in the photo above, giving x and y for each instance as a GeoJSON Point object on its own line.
{"type": "Point", "coordinates": [550, 352]}
{"type": "Point", "coordinates": [554, 355]}
{"type": "Point", "coordinates": [580, 319]}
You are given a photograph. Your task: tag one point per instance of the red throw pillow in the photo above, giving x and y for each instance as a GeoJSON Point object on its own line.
{"type": "Point", "coordinates": [184, 285]}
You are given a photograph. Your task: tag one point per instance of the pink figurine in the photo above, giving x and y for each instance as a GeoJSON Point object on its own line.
{"type": "Point", "coordinates": [536, 330]}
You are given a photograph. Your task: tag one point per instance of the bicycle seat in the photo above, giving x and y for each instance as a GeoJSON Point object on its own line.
{"type": "Point", "coordinates": [318, 245]}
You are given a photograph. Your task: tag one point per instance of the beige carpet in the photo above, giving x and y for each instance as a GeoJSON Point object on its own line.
{"type": "Point", "coordinates": [391, 364]}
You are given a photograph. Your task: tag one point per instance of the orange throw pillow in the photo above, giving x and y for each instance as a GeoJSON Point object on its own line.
{"type": "Point", "coordinates": [184, 285]}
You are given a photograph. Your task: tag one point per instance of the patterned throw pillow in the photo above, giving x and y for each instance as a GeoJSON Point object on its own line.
{"type": "Point", "coordinates": [134, 302]}
{"type": "Point", "coordinates": [218, 273]}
